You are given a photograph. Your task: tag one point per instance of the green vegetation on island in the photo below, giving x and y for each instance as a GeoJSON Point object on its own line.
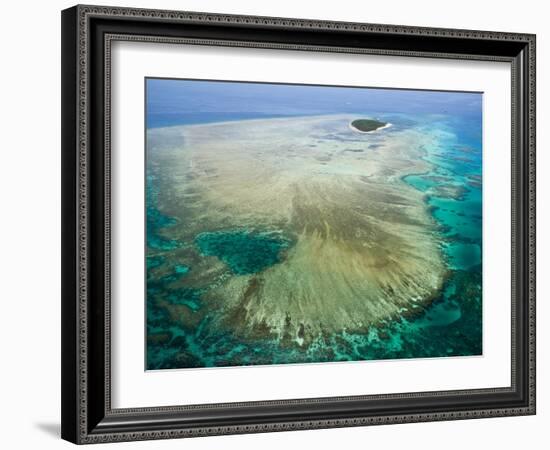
{"type": "Point", "coordinates": [366, 125]}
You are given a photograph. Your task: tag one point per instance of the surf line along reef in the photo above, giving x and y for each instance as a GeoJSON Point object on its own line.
{"type": "Point", "coordinates": [299, 237]}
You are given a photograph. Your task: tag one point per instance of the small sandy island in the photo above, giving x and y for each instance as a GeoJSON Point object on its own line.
{"type": "Point", "coordinates": [368, 125]}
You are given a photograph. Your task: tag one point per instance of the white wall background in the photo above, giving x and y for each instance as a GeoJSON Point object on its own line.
{"type": "Point", "coordinates": [30, 223]}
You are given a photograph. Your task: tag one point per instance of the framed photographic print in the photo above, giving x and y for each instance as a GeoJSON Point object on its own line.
{"type": "Point", "coordinates": [277, 224]}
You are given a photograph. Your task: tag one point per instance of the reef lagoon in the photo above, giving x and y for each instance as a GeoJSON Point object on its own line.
{"type": "Point", "coordinates": [293, 238]}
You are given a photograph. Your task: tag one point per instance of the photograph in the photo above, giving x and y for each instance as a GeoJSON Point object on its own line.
{"type": "Point", "coordinates": [278, 222]}
{"type": "Point", "coordinates": [275, 225]}
{"type": "Point", "coordinates": [290, 223]}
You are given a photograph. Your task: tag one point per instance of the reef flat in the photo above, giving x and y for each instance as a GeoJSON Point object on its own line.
{"type": "Point", "coordinates": [290, 229]}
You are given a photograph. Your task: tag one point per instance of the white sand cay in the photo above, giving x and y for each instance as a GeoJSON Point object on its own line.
{"type": "Point", "coordinates": [369, 132]}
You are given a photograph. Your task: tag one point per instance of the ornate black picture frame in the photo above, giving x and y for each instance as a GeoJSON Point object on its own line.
{"type": "Point", "coordinates": [87, 34]}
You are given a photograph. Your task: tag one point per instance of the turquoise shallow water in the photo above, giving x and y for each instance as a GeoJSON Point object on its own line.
{"type": "Point", "coordinates": [450, 326]}
{"type": "Point", "coordinates": [243, 251]}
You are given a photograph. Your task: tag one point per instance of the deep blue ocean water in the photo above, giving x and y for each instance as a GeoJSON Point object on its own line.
{"type": "Point", "coordinates": [183, 102]}
{"type": "Point", "coordinates": [450, 326]}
